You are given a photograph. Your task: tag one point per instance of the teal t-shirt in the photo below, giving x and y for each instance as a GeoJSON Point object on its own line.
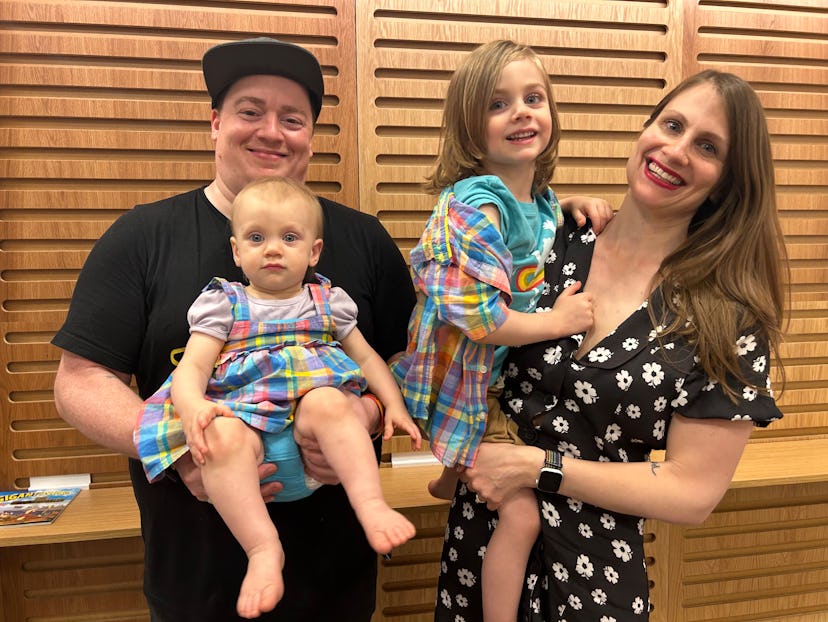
{"type": "Point", "coordinates": [528, 230]}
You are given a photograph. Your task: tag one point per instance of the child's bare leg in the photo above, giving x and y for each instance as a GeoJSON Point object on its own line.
{"type": "Point", "coordinates": [231, 480]}
{"type": "Point", "coordinates": [328, 415]}
{"type": "Point", "coordinates": [444, 486]}
{"type": "Point", "coordinates": [507, 553]}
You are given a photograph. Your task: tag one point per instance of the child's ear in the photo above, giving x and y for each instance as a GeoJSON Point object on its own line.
{"type": "Point", "coordinates": [316, 251]}
{"type": "Point", "coordinates": [236, 258]}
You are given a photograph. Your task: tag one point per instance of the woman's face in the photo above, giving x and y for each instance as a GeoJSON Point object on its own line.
{"type": "Point", "coordinates": [680, 157]}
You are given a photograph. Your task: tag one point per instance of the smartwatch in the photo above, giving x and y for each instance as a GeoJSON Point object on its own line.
{"type": "Point", "coordinates": [551, 474]}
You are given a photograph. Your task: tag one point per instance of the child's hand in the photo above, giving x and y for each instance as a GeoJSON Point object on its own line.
{"type": "Point", "coordinates": [194, 424]}
{"type": "Point", "coordinates": [397, 417]}
{"type": "Point", "coordinates": [573, 312]}
{"type": "Point", "coordinates": [597, 210]}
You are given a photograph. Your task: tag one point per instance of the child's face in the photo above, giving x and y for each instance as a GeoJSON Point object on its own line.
{"type": "Point", "coordinates": [274, 243]}
{"type": "Point", "coordinates": [519, 123]}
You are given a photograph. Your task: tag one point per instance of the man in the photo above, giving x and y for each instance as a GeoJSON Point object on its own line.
{"type": "Point", "coordinates": [128, 317]}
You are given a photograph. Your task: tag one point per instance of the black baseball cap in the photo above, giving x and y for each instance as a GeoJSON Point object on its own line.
{"type": "Point", "coordinates": [225, 63]}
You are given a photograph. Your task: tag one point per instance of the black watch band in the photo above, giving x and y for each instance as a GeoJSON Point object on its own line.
{"type": "Point", "coordinates": [551, 474]}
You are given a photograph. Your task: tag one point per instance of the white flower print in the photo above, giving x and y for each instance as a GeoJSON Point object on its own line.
{"type": "Point", "coordinates": [461, 600]}
{"type": "Point", "coordinates": [611, 574]}
{"type": "Point", "coordinates": [749, 393]}
{"type": "Point", "coordinates": [552, 356]}
{"type": "Point", "coordinates": [613, 432]}
{"type": "Point", "coordinates": [630, 344]}
{"type": "Point", "coordinates": [622, 550]}
{"type": "Point", "coordinates": [531, 581]}
{"type": "Point", "coordinates": [745, 344]}
{"type": "Point", "coordinates": [468, 511]}
{"type": "Point", "coordinates": [568, 282]}
{"type": "Point", "coordinates": [584, 567]}
{"type": "Point", "coordinates": [740, 418]}
{"type": "Point", "coordinates": [759, 364]}
{"type": "Point", "coordinates": [560, 425]}
{"type": "Point", "coordinates": [452, 554]}
{"type": "Point", "coordinates": [599, 596]}
{"type": "Point", "coordinates": [516, 405]}
{"type": "Point", "coordinates": [640, 526]}
{"type": "Point", "coordinates": [586, 392]}
{"type": "Point", "coordinates": [633, 411]}
{"type": "Point", "coordinates": [552, 256]}
{"type": "Point", "coordinates": [526, 387]}
{"type": "Point", "coordinates": [579, 338]}
{"type": "Point", "coordinates": [658, 429]}
{"type": "Point", "coordinates": [459, 618]}
{"type": "Point", "coordinates": [572, 406]}
{"type": "Point", "coordinates": [568, 269]}
{"type": "Point", "coordinates": [561, 573]}
{"type": "Point", "coordinates": [443, 567]}
{"type": "Point", "coordinates": [551, 515]}
{"type": "Point", "coordinates": [481, 552]}
{"type": "Point", "coordinates": [534, 374]}
{"type": "Point", "coordinates": [575, 602]}
{"type": "Point", "coordinates": [446, 598]}
{"type": "Point", "coordinates": [576, 505]}
{"type": "Point", "coordinates": [607, 619]}
{"type": "Point", "coordinates": [466, 577]}
{"type": "Point", "coordinates": [638, 605]}
{"type": "Point", "coordinates": [660, 404]}
{"type": "Point", "coordinates": [568, 449]}
{"type": "Point", "coordinates": [652, 374]}
{"type": "Point", "coordinates": [622, 453]}
{"type": "Point", "coordinates": [599, 355]}
{"type": "Point", "coordinates": [599, 442]}
{"type": "Point", "coordinates": [624, 379]}
{"type": "Point", "coordinates": [617, 410]}
{"type": "Point", "coordinates": [585, 530]}
{"type": "Point", "coordinates": [458, 533]}
{"type": "Point", "coordinates": [681, 398]}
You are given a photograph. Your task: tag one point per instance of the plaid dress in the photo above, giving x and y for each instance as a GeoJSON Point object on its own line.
{"type": "Point", "coordinates": [262, 372]}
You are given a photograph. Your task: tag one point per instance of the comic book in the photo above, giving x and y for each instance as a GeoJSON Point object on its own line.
{"type": "Point", "coordinates": [31, 507]}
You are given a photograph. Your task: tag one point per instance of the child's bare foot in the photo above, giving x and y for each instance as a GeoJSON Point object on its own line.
{"type": "Point", "coordinates": [263, 585]}
{"type": "Point", "coordinates": [385, 528]}
{"type": "Point", "coordinates": [444, 486]}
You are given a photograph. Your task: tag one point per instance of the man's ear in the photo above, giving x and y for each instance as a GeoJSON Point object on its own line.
{"type": "Point", "coordinates": [316, 251]}
{"type": "Point", "coordinates": [215, 124]}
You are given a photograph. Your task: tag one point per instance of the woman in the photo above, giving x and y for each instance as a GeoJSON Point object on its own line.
{"type": "Point", "coordinates": [688, 300]}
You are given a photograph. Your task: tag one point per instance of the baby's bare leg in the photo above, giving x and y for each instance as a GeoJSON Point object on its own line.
{"type": "Point", "coordinates": [507, 553]}
{"type": "Point", "coordinates": [329, 415]}
{"type": "Point", "coordinates": [231, 479]}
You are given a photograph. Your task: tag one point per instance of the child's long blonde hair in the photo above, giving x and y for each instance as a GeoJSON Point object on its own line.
{"type": "Point", "coordinates": [463, 144]}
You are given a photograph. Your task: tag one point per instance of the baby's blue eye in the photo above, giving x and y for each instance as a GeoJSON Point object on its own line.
{"type": "Point", "coordinates": [256, 237]}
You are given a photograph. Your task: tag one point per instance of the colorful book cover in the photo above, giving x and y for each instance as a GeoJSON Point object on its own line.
{"type": "Point", "coordinates": [32, 507]}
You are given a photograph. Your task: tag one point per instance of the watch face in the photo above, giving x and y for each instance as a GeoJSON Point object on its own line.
{"type": "Point", "coordinates": [549, 480]}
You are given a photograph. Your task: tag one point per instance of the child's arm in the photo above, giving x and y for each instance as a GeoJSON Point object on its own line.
{"type": "Point", "coordinates": [383, 385]}
{"type": "Point", "coordinates": [597, 210]}
{"type": "Point", "coordinates": [189, 382]}
{"type": "Point", "coordinates": [572, 313]}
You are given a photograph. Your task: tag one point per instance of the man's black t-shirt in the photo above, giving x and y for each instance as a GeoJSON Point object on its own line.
{"type": "Point", "coordinates": [129, 313]}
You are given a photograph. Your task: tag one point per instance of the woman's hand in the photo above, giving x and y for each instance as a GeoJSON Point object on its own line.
{"type": "Point", "coordinates": [501, 470]}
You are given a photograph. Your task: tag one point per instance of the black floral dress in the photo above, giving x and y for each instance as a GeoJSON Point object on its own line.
{"type": "Point", "coordinates": [612, 405]}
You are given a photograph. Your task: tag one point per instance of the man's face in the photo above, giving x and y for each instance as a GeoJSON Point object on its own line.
{"type": "Point", "coordinates": [264, 128]}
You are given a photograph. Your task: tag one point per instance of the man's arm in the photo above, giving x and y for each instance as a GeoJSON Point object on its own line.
{"type": "Point", "coordinates": [98, 402]}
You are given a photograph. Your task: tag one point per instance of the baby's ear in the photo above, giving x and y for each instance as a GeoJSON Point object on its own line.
{"type": "Point", "coordinates": [316, 251]}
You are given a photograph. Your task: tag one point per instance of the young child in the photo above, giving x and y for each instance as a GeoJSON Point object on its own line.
{"type": "Point", "coordinates": [480, 266]}
{"type": "Point", "coordinates": [261, 357]}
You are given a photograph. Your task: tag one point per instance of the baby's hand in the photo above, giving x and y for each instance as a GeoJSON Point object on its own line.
{"type": "Point", "coordinates": [397, 417]}
{"type": "Point", "coordinates": [194, 424]}
{"type": "Point", "coordinates": [573, 312]}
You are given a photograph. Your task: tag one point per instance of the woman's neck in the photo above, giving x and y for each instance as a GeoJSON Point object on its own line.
{"type": "Point", "coordinates": [636, 232]}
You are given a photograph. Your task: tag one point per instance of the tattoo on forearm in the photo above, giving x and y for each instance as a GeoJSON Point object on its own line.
{"type": "Point", "coordinates": [654, 466]}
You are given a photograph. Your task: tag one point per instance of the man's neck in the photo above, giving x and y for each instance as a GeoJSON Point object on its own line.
{"type": "Point", "coordinates": [219, 198]}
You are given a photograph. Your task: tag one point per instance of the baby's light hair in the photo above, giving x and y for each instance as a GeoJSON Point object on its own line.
{"type": "Point", "coordinates": [276, 188]}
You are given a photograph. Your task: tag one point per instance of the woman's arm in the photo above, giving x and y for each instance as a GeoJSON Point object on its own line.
{"type": "Point", "coordinates": [698, 467]}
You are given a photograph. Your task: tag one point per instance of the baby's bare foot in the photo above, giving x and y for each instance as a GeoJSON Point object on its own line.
{"type": "Point", "coordinates": [444, 486]}
{"type": "Point", "coordinates": [385, 528]}
{"type": "Point", "coordinates": [263, 585]}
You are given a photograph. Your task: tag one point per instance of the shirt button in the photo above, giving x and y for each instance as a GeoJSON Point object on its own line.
{"type": "Point", "coordinates": [484, 369]}
{"type": "Point", "coordinates": [482, 416]}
